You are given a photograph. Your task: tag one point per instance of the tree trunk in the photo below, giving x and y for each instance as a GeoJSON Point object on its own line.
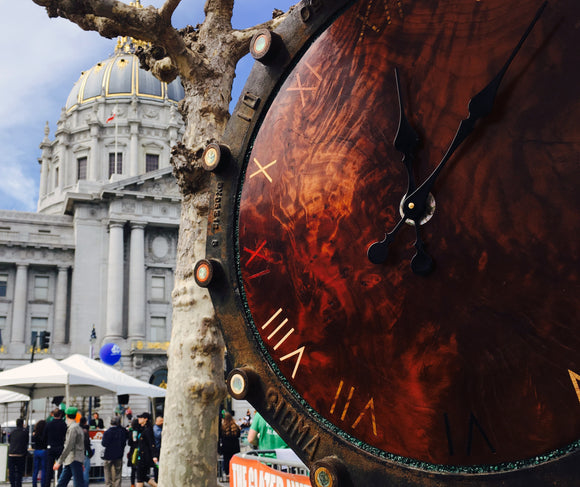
{"type": "Point", "coordinates": [196, 358]}
{"type": "Point", "coordinates": [196, 385]}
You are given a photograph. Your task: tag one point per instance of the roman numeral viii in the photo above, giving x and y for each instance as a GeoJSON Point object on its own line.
{"type": "Point", "coordinates": [473, 425]}
{"type": "Point", "coordinates": [279, 331]}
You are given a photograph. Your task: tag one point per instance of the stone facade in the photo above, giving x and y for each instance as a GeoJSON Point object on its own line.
{"type": "Point", "coordinates": [101, 250]}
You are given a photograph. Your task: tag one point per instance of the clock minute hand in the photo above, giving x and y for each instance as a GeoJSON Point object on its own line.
{"type": "Point", "coordinates": [406, 140]}
{"type": "Point", "coordinates": [479, 107]}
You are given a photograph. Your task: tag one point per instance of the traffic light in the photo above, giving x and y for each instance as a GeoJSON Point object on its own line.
{"type": "Point", "coordinates": [96, 402]}
{"type": "Point", "coordinates": [33, 336]}
{"type": "Point", "coordinates": [44, 340]}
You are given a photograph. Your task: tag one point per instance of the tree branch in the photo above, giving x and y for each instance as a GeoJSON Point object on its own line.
{"type": "Point", "coordinates": [166, 11]}
{"type": "Point", "coordinates": [112, 18]}
{"type": "Point", "coordinates": [242, 38]}
{"type": "Point", "coordinates": [224, 7]}
{"type": "Point", "coordinates": [218, 15]}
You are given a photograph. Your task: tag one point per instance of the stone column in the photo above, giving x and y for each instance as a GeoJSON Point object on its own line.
{"type": "Point", "coordinates": [44, 162]}
{"type": "Point", "coordinates": [18, 334]}
{"type": "Point", "coordinates": [137, 282]}
{"type": "Point", "coordinates": [60, 306]}
{"type": "Point", "coordinates": [43, 178]}
{"type": "Point", "coordinates": [134, 150]}
{"type": "Point", "coordinates": [94, 160]}
{"type": "Point", "coordinates": [114, 323]}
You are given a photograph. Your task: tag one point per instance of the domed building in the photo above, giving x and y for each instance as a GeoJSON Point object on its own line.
{"type": "Point", "coordinates": [119, 122]}
{"type": "Point", "coordinates": [100, 252]}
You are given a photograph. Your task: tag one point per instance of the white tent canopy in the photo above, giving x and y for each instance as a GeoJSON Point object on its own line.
{"type": "Point", "coordinates": [118, 381]}
{"type": "Point", "coordinates": [9, 396]}
{"type": "Point", "coordinates": [49, 377]}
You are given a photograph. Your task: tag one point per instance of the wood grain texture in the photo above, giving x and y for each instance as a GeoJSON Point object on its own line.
{"type": "Point", "coordinates": [470, 364]}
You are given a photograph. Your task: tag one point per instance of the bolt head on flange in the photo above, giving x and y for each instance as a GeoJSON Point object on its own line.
{"type": "Point", "coordinates": [263, 45]}
{"type": "Point", "coordinates": [329, 472]}
{"type": "Point", "coordinates": [241, 382]}
{"type": "Point", "coordinates": [204, 272]}
{"type": "Point", "coordinates": [214, 156]}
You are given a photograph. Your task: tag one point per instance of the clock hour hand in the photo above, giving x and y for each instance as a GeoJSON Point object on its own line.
{"type": "Point", "coordinates": [406, 141]}
{"type": "Point", "coordinates": [479, 107]}
{"type": "Point", "coordinates": [421, 263]}
{"type": "Point", "coordinates": [377, 252]}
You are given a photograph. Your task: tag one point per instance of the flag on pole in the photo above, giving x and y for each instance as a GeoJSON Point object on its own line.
{"type": "Point", "coordinates": [111, 118]}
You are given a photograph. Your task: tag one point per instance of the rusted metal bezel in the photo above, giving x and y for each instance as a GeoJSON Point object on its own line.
{"type": "Point", "coordinates": [313, 440]}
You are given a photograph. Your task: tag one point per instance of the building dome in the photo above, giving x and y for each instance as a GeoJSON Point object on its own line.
{"type": "Point", "coordinates": [119, 123]}
{"type": "Point", "coordinates": [120, 76]}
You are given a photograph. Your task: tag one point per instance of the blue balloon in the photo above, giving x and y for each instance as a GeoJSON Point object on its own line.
{"type": "Point", "coordinates": [110, 353]}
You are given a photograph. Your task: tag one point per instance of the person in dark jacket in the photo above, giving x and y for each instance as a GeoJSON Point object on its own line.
{"type": "Point", "coordinates": [18, 446]}
{"type": "Point", "coordinates": [39, 446]}
{"type": "Point", "coordinates": [148, 455]}
{"type": "Point", "coordinates": [54, 435]}
{"type": "Point", "coordinates": [114, 440]}
{"type": "Point", "coordinates": [158, 433]}
{"type": "Point", "coordinates": [96, 422]}
{"type": "Point", "coordinates": [229, 440]}
{"type": "Point", "coordinates": [132, 435]}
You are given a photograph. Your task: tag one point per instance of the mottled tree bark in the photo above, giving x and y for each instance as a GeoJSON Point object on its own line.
{"type": "Point", "coordinates": [205, 58]}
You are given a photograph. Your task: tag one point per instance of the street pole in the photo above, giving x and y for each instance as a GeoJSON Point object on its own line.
{"type": "Point", "coordinates": [92, 341]}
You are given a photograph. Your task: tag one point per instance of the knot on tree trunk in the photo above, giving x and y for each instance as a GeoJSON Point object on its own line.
{"type": "Point", "coordinates": [206, 392]}
{"type": "Point", "coordinates": [155, 59]}
{"type": "Point", "coordinates": [187, 169]}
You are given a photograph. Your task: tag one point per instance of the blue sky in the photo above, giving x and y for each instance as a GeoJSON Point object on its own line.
{"type": "Point", "coordinates": [41, 60]}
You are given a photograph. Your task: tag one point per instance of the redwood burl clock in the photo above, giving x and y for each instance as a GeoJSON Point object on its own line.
{"type": "Point", "coordinates": [393, 240]}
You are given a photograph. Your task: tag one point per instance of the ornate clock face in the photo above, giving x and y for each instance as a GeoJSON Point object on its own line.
{"type": "Point", "coordinates": [476, 363]}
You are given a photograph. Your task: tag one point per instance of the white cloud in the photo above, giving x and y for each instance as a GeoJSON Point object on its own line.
{"type": "Point", "coordinates": [41, 60]}
{"type": "Point", "coordinates": [42, 65]}
{"type": "Point", "coordinates": [19, 190]}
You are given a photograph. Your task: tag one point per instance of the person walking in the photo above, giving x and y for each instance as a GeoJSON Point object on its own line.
{"type": "Point", "coordinates": [229, 440]}
{"type": "Point", "coordinates": [132, 434]}
{"type": "Point", "coordinates": [73, 453]}
{"type": "Point", "coordinates": [88, 451]}
{"type": "Point", "coordinates": [157, 433]}
{"type": "Point", "coordinates": [54, 435]}
{"type": "Point", "coordinates": [17, 448]}
{"type": "Point", "coordinates": [39, 457]}
{"type": "Point", "coordinates": [147, 456]}
{"type": "Point", "coordinates": [114, 440]}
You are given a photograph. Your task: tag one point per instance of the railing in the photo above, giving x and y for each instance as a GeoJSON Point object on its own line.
{"type": "Point", "coordinates": [284, 460]}
{"type": "Point", "coordinates": [255, 468]}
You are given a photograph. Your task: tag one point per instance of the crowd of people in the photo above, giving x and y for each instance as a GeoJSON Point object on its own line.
{"type": "Point", "coordinates": [260, 436]}
{"type": "Point", "coordinates": [61, 446]}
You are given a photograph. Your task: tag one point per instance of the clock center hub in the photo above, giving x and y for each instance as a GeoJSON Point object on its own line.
{"type": "Point", "coordinates": [429, 211]}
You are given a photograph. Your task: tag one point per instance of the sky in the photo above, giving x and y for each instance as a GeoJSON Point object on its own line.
{"type": "Point", "coordinates": [41, 60]}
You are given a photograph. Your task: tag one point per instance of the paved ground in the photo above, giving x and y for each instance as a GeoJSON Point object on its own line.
{"type": "Point", "coordinates": [126, 483]}
{"type": "Point", "coordinates": [27, 482]}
